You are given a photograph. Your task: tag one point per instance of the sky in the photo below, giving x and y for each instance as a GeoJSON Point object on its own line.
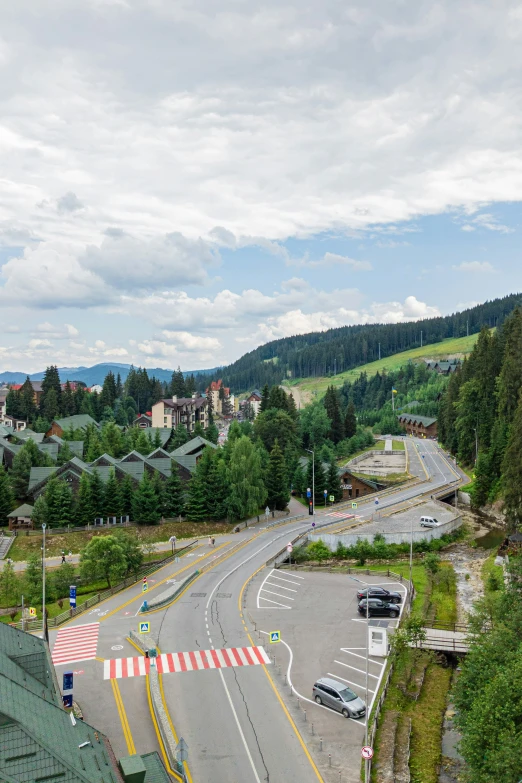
{"type": "Point", "coordinates": [183, 181]}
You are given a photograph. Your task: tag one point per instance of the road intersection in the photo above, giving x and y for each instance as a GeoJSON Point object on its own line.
{"type": "Point", "coordinates": [235, 719]}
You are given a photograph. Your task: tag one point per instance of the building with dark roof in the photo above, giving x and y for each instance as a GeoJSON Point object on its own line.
{"type": "Point", "coordinates": [420, 426]}
{"type": "Point", "coordinates": [78, 422]}
{"type": "Point", "coordinates": [188, 411]}
{"type": "Point", "coordinates": [39, 740]}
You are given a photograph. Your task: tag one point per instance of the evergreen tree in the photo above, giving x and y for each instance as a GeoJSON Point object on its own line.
{"type": "Point", "coordinates": [179, 437]}
{"type": "Point", "coordinates": [277, 480]}
{"type": "Point", "coordinates": [32, 579]}
{"type": "Point", "coordinates": [212, 433]}
{"type": "Point", "coordinates": [112, 440]}
{"type": "Point", "coordinates": [159, 488]}
{"type": "Point", "coordinates": [20, 472]}
{"type": "Point", "coordinates": [174, 500]}
{"type": "Point", "coordinates": [331, 404]}
{"type": "Point", "coordinates": [145, 509]}
{"type": "Point", "coordinates": [299, 481]}
{"type": "Point", "coordinates": [177, 386]}
{"type": "Point", "coordinates": [512, 471]}
{"type": "Point", "coordinates": [483, 480]}
{"type": "Point", "coordinates": [27, 408]}
{"type": "Point", "coordinates": [198, 430]}
{"type": "Point", "coordinates": [9, 585]}
{"type": "Point", "coordinates": [59, 502]}
{"type": "Point", "coordinates": [333, 481]}
{"type": "Point", "coordinates": [127, 495]}
{"type": "Point", "coordinates": [85, 508]}
{"type": "Point", "coordinates": [143, 444]}
{"type": "Point", "coordinates": [350, 421]}
{"type": "Point", "coordinates": [210, 408]}
{"type": "Point", "coordinates": [40, 513]}
{"type": "Point", "coordinates": [97, 493]}
{"type": "Point", "coordinates": [196, 505]}
{"type": "Point", "coordinates": [111, 496]}
{"type": "Point", "coordinates": [64, 454]}
{"type": "Point", "coordinates": [265, 399]}
{"type": "Point", "coordinates": [157, 439]}
{"type": "Point", "coordinates": [510, 379]}
{"type": "Point", "coordinates": [190, 385]}
{"type": "Point", "coordinates": [68, 402]}
{"type": "Point", "coordinates": [108, 393]}
{"type": "Point", "coordinates": [66, 503]}
{"type": "Point", "coordinates": [119, 387]}
{"type": "Point", "coordinates": [6, 497]}
{"type": "Point", "coordinates": [92, 447]}
{"type": "Point", "coordinates": [320, 478]}
{"type": "Point", "coordinates": [247, 489]}
{"type": "Point", "coordinates": [50, 406]}
{"type": "Point", "coordinates": [41, 424]}
{"type": "Point", "coordinates": [13, 404]}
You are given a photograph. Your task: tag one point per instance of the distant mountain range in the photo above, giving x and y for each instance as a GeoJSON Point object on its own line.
{"type": "Point", "coordinates": [96, 374]}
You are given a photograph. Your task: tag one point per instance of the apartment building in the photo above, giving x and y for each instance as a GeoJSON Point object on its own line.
{"type": "Point", "coordinates": [181, 410]}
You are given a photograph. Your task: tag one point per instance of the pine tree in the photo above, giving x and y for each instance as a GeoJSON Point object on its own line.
{"type": "Point", "coordinates": [13, 404]}
{"type": "Point", "coordinates": [350, 421]}
{"type": "Point", "coordinates": [6, 497]}
{"type": "Point", "coordinates": [40, 512]}
{"type": "Point", "coordinates": [174, 493]}
{"type": "Point", "coordinates": [510, 379]}
{"type": "Point", "coordinates": [483, 480]}
{"type": "Point", "coordinates": [112, 439]}
{"type": "Point", "coordinates": [190, 385]}
{"type": "Point", "coordinates": [127, 495]}
{"type": "Point", "coordinates": [9, 585]}
{"type": "Point", "coordinates": [111, 496]}
{"type": "Point", "coordinates": [333, 481]}
{"type": "Point", "coordinates": [97, 493]}
{"type": "Point", "coordinates": [50, 406]}
{"type": "Point", "coordinates": [265, 399]}
{"type": "Point", "coordinates": [331, 404]}
{"type": "Point", "coordinates": [145, 509]}
{"type": "Point", "coordinates": [32, 579]}
{"type": "Point", "coordinates": [212, 433]}
{"type": "Point", "coordinates": [196, 505]}
{"type": "Point", "coordinates": [65, 503]}
{"type": "Point", "coordinates": [157, 439]}
{"type": "Point", "coordinates": [320, 478]}
{"type": "Point", "coordinates": [64, 454]}
{"type": "Point", "coordinates": [119, 387]}
{"type": "Point", "coordinates": [299, 481]}
{"type": "Point", "coordinates": [180, 437]}
{"type": "Point", "coordinates": [19, 474]}
{"type": "Point", "coordinates": [512, 471]}
{"type": "Point", "coordinates": [159, 488]}
{"type": "Point", "coordinates": [143, 444]}
{"type": "Point", "coordinates": [68, 404]}
{"type": "Point", "coordinates": [85, 508]}
{"type": "Point", "coordinates": [108, 394]}
{"type": "Point", "coordinates": [27, 403]}
{"type": "Point", "coordinates": [198, 430]}
{"type": "Point", "coordinates": [277, 480]}
{"type": "Point", "coordinates": [177, 386]}
{"type": "Point", "coordinates": [92, 447]}
{"type": "Point", "coordinates": [51, 382]}
{"type": "Point", "coordinates": [53, 501]}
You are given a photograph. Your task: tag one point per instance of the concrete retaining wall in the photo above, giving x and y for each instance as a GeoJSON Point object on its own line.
{"type": "Point", "coordinates": [168, 595]}
{"type": "Point", "coordinates": [350, 539]}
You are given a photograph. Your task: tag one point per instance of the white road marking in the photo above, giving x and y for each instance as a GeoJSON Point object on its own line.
{"type": "Point", "coordinates": [361, 671]}
{"type": "Point", "coordinates": [282, 579]}
{"type": "Point", "coordinates": [355, 684]}
{"type": "Point", "coordinates": [287, 597]}
{"type": "Point", "coordinates": [363, 657]}
{"type": "Point", "coordinates": [287, 574]}
{"type": "Point", "coordinates": [282, 587]}
{"type": "Point", "coordinates": [239, 727]}
{"type": "Point", "coordinates": [272, 602]}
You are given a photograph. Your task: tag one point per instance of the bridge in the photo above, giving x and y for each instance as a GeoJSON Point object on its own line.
{"type": "Point", "coordinates": [452, 637]}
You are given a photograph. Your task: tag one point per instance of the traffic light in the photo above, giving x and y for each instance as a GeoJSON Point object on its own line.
{"type": "Point", "coordinates": [310, 508]}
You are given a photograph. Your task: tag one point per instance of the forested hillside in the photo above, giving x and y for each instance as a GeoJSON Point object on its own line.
{"type": "Point", "coordinates": [336, 350]}
{"type": "Point", "coordinates": [481, 416]}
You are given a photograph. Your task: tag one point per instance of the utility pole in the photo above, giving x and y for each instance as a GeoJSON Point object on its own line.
{"type": "Point", "coordinates": [44, 618]}
{"type": "Point", "coordinates": [379, 352]}
{"type": "Point", "coordinates": [467, 327]}
{"type": "Point", "coordinates": [421, 338]}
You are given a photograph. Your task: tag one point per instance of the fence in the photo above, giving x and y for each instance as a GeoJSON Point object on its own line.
{"type": "Point", "coordinates": [332, 540]}
{"type": "Point", "coordinates": [53, 622]}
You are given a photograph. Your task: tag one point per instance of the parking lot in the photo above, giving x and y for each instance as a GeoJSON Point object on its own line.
{"type": "Point", "coordinates": [322, 636]}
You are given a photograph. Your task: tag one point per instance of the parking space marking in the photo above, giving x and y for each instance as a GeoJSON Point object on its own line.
{"type": "Point", "coordinates": [281, 587]}
{"type": "Point", "coordinates": [361, 671]}
{"type": "Point", "coordinates": [363, 657]}
{"type": "Point", "coordinates": [287, 597]}
{"type": "Point", "coordinates": [275, 576]}
{"type": "Point", "coordinates": [291, 574]}
{"type": "Point", "coordinates": [264, 589]}
{"type": "Point", "coordinates": [276, 603]}
{"type": "Point", "coordinates": [355, 684]}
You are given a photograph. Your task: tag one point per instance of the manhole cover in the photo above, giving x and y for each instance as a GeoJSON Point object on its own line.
{"type": "Point", "coordinates": [197, 595]}
{"type": "Point", "coordinates": [223, 595]}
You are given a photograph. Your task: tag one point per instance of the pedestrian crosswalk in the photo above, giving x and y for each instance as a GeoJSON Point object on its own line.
{"type": "Point", "coordinates": [341, 514]}
{"type": "Point", "coordinates": [185, 662]}
{"type": "Point", "coordinates": [77, 643]}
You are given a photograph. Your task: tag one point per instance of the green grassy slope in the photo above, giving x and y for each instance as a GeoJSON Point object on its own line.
{"type": "Point", "coordinates": [308, 387]}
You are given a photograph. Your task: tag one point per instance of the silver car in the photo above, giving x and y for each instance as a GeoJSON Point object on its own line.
{"type": "Point", "coordinates": [334, 694]}
{"type": "Point", "coordinates": [429, 522]}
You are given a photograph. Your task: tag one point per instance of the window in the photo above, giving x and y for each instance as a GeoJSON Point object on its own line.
{"type": "Point", "coordinates": [165, 420]}
{"type": "Point", "coordinates": [356, 493]}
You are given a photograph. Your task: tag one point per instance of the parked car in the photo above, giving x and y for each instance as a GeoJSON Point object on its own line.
{"type": "Point", "coordinates": [334, 694]}
{"type": "Point", "coordinates": [429, 522]}
{"type": "Point", "coordinates": [380, 592]}
{"type": "Point", "coordinates": [378, 608]}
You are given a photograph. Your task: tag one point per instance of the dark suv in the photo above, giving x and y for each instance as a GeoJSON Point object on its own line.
{"type": "Point", "coordinates": [378, 608]}
{"type": "Point", "coordinates": [380, 592]}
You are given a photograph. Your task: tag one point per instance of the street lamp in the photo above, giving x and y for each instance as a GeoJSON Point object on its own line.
{"type": "Point", "coordinates": [313, 477]}
{"type": "Point", "coordinates": [476, 444]}
{"type": "Point", "coordinates": [367, 716]}
{"type": "Point", "coordinates": [43, 584]}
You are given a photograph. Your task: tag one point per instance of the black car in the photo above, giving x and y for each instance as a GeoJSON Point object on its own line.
{"type": "Point", "coordinates": [378, 608]}
{"type": "Point", "coordinates": [380, 592]}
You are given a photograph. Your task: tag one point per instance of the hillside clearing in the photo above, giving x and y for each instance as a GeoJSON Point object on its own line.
{"type": "Point", "coordinates": [309, 387]}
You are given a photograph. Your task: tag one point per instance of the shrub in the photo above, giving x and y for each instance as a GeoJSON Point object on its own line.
{"type": "Point", "coordinates": [318, 551]}
{"type": "Point", "coordinates": [432, 563]}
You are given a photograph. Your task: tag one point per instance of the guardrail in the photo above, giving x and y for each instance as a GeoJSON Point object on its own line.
{"type": "Point", "coordinates": [53, 622]}
{"type": "Point", "coordinates": [168, 595]}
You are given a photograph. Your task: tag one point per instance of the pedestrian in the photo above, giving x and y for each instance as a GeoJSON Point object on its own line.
{"type": "Point", "coordinates": [63, 556]}
{"type": "Point", "coordinates": [213, 541]}
{"type": "Point", "coordinates": [210, 540]}
{"type": "Point", "coordinates": [70, 557]}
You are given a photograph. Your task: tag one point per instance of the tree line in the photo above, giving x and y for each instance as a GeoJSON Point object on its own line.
{"type": "Point", "coordinates": [336, 350]}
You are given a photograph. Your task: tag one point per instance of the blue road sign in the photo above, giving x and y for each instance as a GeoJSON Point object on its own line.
{"type": "Point", "coordinates": [67, 701]}
{"type": "Point", "coordinates": [72, 596]}
{"type": "Point", "coordinates": [275, 636]}
{"type": "Point", "coordinates": [144, 627]}
{"type": "Point", "coordinates": [308, 493]}
{"type": "Point", "coordinates": [325, 492]}
{"type": "Point", "coordinates": [313, 524]}
{"type": "Point", "coordinates": [67, 681]}
{"type": "Point", "coordinates": [376, 502]}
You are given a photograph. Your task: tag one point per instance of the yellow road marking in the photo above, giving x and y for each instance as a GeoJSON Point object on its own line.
{"type": "Point", "coordinates": [421, 461]}
{"type": "Point", "coordinates": [123, 718]}
{"type": "Point", "coordinates": [158, 735]}
{"type": "Point", "coordinates": [270, 680]}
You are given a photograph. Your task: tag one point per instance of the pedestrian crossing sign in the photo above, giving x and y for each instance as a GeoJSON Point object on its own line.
{"type": "Point", "coordinates": [354, 505]}
{"type": "Point", "coordinates": [32, 611]}
{"type": "Point", "coordinates": [144, 627]}
{"type": "Point", "coordinates": [275, 636]}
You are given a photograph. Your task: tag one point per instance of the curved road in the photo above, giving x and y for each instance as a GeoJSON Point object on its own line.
{"type": "Point", "coordinates": [233, 720]}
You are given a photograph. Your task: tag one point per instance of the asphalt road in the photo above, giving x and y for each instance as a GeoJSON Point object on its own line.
{"type": "Point", "coordinates": [234, 721]}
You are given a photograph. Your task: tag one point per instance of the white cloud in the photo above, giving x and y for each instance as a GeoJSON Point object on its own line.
{"type": "Point", "coordinates": [192, 342]}
{"type": "Point", "coordinates": [40, 344]}
{"type": "Point", "coordinates": [490, 222]}
{"type": "Point", "coordinates": [474, 266]}
{"type": "Point", "coordinates": [47, 329]}
{"type": "Point", "coordinates": [329, 259]}
{"type": "Point", "coordinates": [467, 227]}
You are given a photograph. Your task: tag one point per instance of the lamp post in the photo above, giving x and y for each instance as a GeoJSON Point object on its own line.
{"type": "Point", "coordinates": [476, 444]}
{"type": "Point", "coordinates": [44, 615]}
{"type": "Point", "coordinates": [367, 716]}
{"type": "Point", "coordinates": [313, 477]}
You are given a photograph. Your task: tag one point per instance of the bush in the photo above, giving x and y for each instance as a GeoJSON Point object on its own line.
{"type": "Point", "coordinates": [318, 551]}
{"type": "Point", "coordinates": [494, 581]}
{"type": "Point", "coordinates": [432, 563]}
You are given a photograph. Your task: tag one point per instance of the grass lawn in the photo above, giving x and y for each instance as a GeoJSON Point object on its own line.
{"type": "Point", "coordinates": [24, 546]}
{"type": "Point", "coordinates": [460, 345]}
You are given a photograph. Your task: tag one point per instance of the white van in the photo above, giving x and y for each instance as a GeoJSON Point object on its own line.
{"type": "Point", "coordinates": [429, 522]}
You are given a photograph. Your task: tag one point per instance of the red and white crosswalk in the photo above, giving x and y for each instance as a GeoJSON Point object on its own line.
{"type": "Point", "coordinates": [342, 514]}
{"type": "Point", "coordinates": [78, 643]}
{"type": "Point", "coordinates": [185, 662]}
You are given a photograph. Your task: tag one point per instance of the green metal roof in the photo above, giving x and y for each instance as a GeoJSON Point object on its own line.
{"type": "Point", "coordinates": [80, 421]}
{"type": "Point", "coordinates": [24, 510]}
{"type": "Point", "coordinates": [76, 446]}
{"type": "Point", "coordinates": [38, 475]}
{"type": "Point", "coordinates": [196, 444]}
{"type": "Point", "coordinates": [10, 446]}
{"type": "Point", "coordinates": [158, 453]}
{"type": "Point", "coordinates": [28, 434]}
{"type": "Point", "coordinates": [413, 418]}
{"type": "Point", "coordinates": [156, 772]}
{"type": "Point", "coordinates": [187, 461]}
{"type": "Point", "coordinates": [49, 448]}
